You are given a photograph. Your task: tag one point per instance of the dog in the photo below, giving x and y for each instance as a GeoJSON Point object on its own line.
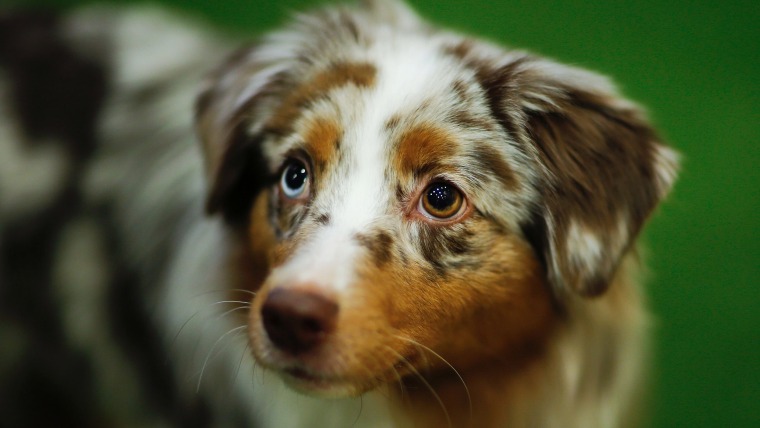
{"type": "Point", "coordinates": [389, 225]}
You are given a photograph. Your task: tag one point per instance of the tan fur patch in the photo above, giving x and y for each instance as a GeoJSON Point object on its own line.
{"type": "Point", "coordinates": [489, 324]}
{"type": "Point", "coordinates": [322, 138]}
{"type": "Point", "coordinates": [261, 251]}
{"type": "Point", "coordinates": [423, 147]}
{"type": "Point", "coordinates": [340, 74]}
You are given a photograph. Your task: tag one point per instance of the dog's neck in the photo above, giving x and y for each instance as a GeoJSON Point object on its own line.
{"type": "Point", "coordinates": [583, 362]}
{"type": "Point", "coordinates": [476, 399]}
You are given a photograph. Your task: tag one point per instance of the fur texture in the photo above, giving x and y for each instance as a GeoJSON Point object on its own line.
{"type": "Point", "coordinates": [519, 307]}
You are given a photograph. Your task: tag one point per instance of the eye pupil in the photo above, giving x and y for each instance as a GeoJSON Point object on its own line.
{"type": "Point", "coordinates": [441, 201]}
{"type": "Point", "coordinates": [441, 196]}
{"type": "Point", "coordinates": [294, 179]}
{"type": "Point", "coordinates": [295, 176]}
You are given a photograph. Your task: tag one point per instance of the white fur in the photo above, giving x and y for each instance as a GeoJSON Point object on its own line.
{"type": "Point", "coordinates": [31, 172]}
{"type": "Point", "coordinates": [583, 246]}
{"type": "Point", "coordinates": [666, 167]}
{"type": "Point", "coordinates": [160, 213]}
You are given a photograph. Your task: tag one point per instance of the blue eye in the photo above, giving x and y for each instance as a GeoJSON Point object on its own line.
{"type": "Point", "coordinates": [295, 179]}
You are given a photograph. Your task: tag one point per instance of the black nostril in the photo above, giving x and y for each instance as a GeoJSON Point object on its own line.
{"type": "Point", "coordinates": [297, 321]}
{"type": "Point", "coordinates": [310, 325]}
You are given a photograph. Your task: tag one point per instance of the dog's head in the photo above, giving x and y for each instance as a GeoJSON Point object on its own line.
{"type": "Point", "coordinates": [406, 190]}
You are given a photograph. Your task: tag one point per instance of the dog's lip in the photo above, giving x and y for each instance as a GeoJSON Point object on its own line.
{"type": "Point", "coordinates": [303, 374]}
{"type": "Point", "coordinates": [318, 384]}
{"type": "Point", "coordinates": [328, 385]}
{"type": "Point", "coordinates": [306, 379]}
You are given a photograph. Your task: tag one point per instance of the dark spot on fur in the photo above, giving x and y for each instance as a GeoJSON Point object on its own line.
{"type": "Point", "coordinates": [243, 173]}
{"type": "Point", "coordinates": [323, 219]}
{"type": "Point", "coordinates": [439, 244]}
{"type": "Point", "coordinates": [272, 213]}
{"type": "Point", "coordinates": [460, 50]}
{"type": "Point", "coordinates": [380, 245]}
{"type": "Point", "coordinates": [535, 232]}
{"type": "Point", "coordinates": [348, 23]}
{"type": "Point", "coordinates": [498, 86]}
{"type": "Point", "coordinates": [203, 101]}
{"type": "Point", "coordinates": [404, 257]}
{"type": "Point", "coordinates": [392, 123]}
{"type": "Point", "coordinates": [465, 119]}
{"type": "Point", "coordinates": [400, 193]}
{"type": "Point", "coordinates": [493, 161]}
{"type": "Point", "coordinates": [461, 88]}
{"type": "Point", "coordinates": [55, 91]}
{"type": "Point", "coordinates": [290, 217]}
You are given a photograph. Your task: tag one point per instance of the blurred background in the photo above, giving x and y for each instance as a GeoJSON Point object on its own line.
{"type": "Point", "coordinates": [696, 66]}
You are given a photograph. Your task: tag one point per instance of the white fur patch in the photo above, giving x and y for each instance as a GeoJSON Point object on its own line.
{"type": "Point", "coordinates": [30, 176]}
{"type": "Point", "coordinates": [327, 262]}
{"type": "Point", "coordinates": [666, 162]}
{"type": "Point", "coordinates": [32, 173]}
{"type": "Point", "coordinates": [583, 247]}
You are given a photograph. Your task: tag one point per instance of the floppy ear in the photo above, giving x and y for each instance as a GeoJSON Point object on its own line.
{"type": "Point", "coordinates": [261, 89]}
{"type": "Point", "coordinates": [600, 168]}
{"type": "Point", "coordinates": [231, 113]}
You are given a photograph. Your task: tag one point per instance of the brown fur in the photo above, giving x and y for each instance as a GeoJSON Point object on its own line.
{"type": "Point", "coordinates": [322, 141]}
{"type": "Point", "coordinates": [341, 74]}
{"type": "Point", "coordinates": [422, 149]}
{"type": "Point", "coordinates": [483, 319]}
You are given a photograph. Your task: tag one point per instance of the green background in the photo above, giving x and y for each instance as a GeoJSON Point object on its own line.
{"type": "Point", "coordinates": [695, 65]}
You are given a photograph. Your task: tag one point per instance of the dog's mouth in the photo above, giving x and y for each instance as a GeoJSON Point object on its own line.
{"type": "Point", "coordinates": [307, 378]}
{"type": "Point", "coordinates": [315, 383]}
{"type": "Point", "coordinates": [331, 364]}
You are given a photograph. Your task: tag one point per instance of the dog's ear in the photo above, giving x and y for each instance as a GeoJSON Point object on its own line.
{"type": "Point", "coordinates": [231, 112]}
{"type": "Point", "coordinates": [260, 89]}
{"type": "Point", "coordinates": [600, 169]}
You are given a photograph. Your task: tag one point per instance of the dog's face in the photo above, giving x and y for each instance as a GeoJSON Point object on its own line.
{"type": "Point", "coordinates": [411, 199]}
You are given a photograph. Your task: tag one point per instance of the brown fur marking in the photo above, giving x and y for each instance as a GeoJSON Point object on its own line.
{"type": "Point", "coordinates": [322, 140]}
{"type": "Point", "coordinates": [422, 148]}
{"type": "Point", "coordinates": [602, 166]}
{"type": "Point", "coordinates": [339, 74]}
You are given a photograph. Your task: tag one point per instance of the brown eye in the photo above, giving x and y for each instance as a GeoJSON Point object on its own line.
{"type": "Point", "coordinates": [441, 201]}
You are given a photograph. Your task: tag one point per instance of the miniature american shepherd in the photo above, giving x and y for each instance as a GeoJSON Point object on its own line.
{"type": "Point", "coordinates": [358, 220]}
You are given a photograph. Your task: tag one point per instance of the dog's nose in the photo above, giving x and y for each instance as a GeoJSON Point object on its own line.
{"type": "Point", "coordinates": [296, 321]}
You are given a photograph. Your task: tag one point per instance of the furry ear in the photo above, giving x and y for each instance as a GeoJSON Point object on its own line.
{"type": "Point", "coordinates": [231, 113]}
{"type": "Point", "coordinates": [600, 167]}
{"type": "Point", "coordinates": [261, 90]}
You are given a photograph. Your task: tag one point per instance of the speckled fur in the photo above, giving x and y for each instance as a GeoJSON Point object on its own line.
{"type": "Point", "coordinates": [523, 311]}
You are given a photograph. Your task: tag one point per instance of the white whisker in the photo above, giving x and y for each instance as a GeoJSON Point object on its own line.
{"type": "Point", "coordinates": [229, 311]}
{"type": "Point", "coordinates": [464, 384]}
{"type": "Point", "coordinates": [210, 352]}
{"type": "Point", "coordinates": [427, 385]}
{"type": "Point", "coordinates": [222, 302]}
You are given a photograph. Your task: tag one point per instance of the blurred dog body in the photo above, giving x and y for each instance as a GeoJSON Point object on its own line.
{"type": "Point", "coordinates": [460, 249]}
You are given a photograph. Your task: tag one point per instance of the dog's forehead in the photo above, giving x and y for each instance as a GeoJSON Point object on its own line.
{"type": "Point", "coordinates": [377, 120]}
{"type": "Point", "coordinates": [375, 116]}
